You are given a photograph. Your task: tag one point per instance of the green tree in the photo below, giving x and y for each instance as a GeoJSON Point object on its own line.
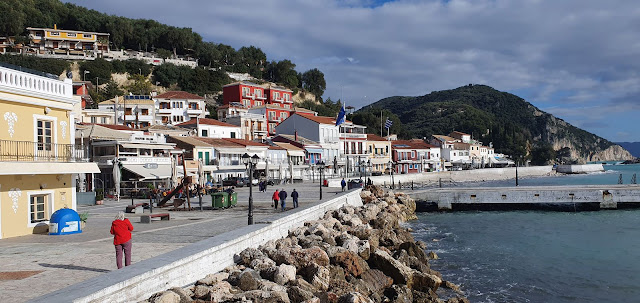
{"type": "Point", "coordinates": [313, 81]}
{"type": "Point", "coordinates": [140, 85]}
{"type": "Point", "coordinates": [13, 16]}
{"type": "Point", "coordinates": [98, 68]}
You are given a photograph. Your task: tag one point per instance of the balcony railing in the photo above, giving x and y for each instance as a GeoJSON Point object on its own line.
{"type": "Point", "coordinates": [25, 151]}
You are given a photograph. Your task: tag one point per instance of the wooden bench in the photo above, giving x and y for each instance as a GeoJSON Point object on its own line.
{"type": "Point", "coordinates": [132, 208]}
{"type": "Point", "coordinates": [147, 218]}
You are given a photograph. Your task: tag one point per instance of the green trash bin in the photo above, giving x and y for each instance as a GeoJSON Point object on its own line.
{"type": "Point", "coordinates": [233, 201]}
{"type": "Point", "coordinates": [220, 200]}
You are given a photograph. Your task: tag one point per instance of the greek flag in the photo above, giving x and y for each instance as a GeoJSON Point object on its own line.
{"type": "Point", "coordinates": [388, 123]}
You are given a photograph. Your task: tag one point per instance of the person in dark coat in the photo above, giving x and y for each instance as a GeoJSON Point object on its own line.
{"type": "Point", "coordinates": [343, 183]}
{"type": "Point", "coordinates": [294, 196]}
{"type": "Point", "coordinates": [283, 197]}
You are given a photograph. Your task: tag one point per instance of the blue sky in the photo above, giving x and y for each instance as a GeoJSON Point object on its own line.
{"type": "Point", "coordinates": [576, 59]}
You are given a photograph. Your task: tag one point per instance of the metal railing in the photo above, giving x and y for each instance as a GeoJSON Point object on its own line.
{"type": "Point", "coordinates": [25, 151]}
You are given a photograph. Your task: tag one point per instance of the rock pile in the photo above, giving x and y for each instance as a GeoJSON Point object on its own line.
{"type": "Point", "coordinates": [350, 255]}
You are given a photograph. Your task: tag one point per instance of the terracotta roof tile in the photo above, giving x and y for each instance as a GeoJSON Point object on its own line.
{"type": "Point", "coordinates": [372, 137]}
{"type": "Point", "coordinates": [244, 142]}
{"type": "Point", "coordinates": [206, 121]}
{"type": "Point", "coordinates": [178, 95]}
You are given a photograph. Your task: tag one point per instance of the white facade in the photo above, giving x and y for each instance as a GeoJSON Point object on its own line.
{"type": "Point", "coordinates": [177, 109]}
{"type": "Point", "coordinates": [217, 131]}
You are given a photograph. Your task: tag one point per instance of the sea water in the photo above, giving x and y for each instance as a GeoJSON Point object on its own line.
{"type": "Point", "coordinates": [540, 256]}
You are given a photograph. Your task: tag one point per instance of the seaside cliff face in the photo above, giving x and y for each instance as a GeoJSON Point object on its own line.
{"type": "Point", "coordinates": [350, 255]}
{"type": "Point", "coordinates": [513, 125]}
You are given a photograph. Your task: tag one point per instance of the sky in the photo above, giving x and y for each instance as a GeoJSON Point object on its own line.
{"type": "Point", "coordinates": [575, 59]}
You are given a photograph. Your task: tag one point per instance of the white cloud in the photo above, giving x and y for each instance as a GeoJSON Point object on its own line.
{"type": "Point", "coordinates": [578, 52]}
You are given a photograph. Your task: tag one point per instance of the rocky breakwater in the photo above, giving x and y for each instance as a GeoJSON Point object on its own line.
{"type": "Point", "coordinates": [350, 255]}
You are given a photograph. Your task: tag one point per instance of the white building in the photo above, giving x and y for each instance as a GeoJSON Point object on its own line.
{"type": "Point", "coordinates": [133, 111]}
{"type": "Point", "coordinates": [211, 128]}
{"type": "Point", "coordinates": [175, 107]}
{"type": "Point", "coordinates": [252, 126]}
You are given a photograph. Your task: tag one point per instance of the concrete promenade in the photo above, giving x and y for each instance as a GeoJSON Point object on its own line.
{"type": "Point", "coordinates": [35, 265]}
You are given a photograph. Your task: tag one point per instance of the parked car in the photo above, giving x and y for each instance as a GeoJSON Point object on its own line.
{"type": "Point", "coordinates": [233, 181]}
{"type": "Point", "coordinates": [456, 168]}
{"type": "Point", "coordinates": [355, 183]}
{"type": "Point", "coordinates": [254, 181]}
{"type": "Point", "coordinates": [376, 173]}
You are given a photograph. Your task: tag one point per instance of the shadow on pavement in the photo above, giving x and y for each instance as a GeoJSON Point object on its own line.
{"type": "Point", "coordinates": [73, 267]}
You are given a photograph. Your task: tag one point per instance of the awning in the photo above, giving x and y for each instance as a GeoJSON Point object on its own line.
{"type": "Point", "coordinates": [160, 172]}
{"type": "Point", "coordinates": [295, 153]}
{"type": "Point", "coordinates": [49, 168]}
{"type": "Point", "coordinates": [146, 146]}
{"type": "Point", "coordinates": [314, 150]}
{"type": "Point", "coordinates": [230, 150]}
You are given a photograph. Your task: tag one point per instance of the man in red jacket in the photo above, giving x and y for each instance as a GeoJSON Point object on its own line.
{"type": "Point", "coordinates": [121, 230]}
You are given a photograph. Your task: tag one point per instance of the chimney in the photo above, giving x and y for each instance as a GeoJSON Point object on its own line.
{"type": "Point", "coordinates": [296, 135]}
{"type": "Point", "coordinates": [55, 26]}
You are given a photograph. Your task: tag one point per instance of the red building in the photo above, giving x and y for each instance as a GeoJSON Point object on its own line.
{"type": "Point", "coordinates": [411, 156]}
{"type": "Point", "coordinates": [82, 89]}
{"type": "Point", "coordinates": [274, 102]}
{"type": "Point", "coordinates": [246, 93]}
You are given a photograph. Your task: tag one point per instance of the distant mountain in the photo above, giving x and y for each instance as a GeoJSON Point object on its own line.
{"type": "Point", "coordinates": [632, 147]}
{"type": "Point", "coordinates": [513, 125]}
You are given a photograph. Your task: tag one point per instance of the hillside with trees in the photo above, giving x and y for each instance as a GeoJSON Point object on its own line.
{"type": "Point", "coordinates": [513, 125]}
{"type": "Point", "coordinates": [215, 59]}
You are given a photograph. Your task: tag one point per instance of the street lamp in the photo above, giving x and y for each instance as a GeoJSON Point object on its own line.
{"type": "Point", "coordinates": [84, 75]}
{"type": "Point", "coordinates": [250, 163]}
{"type": "Point", "coordinates": [365, 169]}
{"type": "Point", "coordinates": [391, 165]}
{"type": "Point", "coordinates": [320, 165]}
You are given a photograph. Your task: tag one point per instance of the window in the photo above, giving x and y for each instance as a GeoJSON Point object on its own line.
{"type": "Point", "coordinates": [233, 135]}
{"type": "Point", "coordinates": [287, 106]}
{"type": "Point", "coordinates": [55, 33]}
{"type": "Point", "coordinates": [44, 129]}
{"type": "Point", "coordinates": [276, 95]}
{"type": "Point", "coordinates": [286, 97]}
{"type": "Point", "coordinates": [94, 120]}
{"type": "Point", "coordinates": [71, 35]}
{"type": "Point", "coordinates": [103, 120]}
{"type": "Point", "coordinates": [205, 133]}
{"type": "Point", "coordinates": [88, 36]}
{"type": "Point", "coordinates": [245, 91]}
{"type": "Point", "coordinates": [272, 115]}
{"type": "Point", "coordinates": [38, 208]}
{"type": "Point", "coordinates": [413, 154]}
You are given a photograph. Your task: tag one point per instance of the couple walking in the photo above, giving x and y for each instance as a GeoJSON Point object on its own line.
{"type": "Point", "coordinates": [281, 196]}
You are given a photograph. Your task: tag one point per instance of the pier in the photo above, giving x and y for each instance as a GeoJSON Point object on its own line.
{"type": "Point", "coordinates": [566, 198]}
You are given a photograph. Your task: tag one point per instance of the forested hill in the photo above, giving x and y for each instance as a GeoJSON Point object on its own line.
{"type": "Point", "coordinates": [513, 125]}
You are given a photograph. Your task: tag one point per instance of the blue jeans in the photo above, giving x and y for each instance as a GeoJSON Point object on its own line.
{"type": "Point", "coordinates": [295, 203]}
{"type": "Point", "coordinates": [282, 203]}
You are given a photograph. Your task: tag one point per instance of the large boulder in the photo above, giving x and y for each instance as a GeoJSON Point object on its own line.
{"type": "Point", "coordinates": [303, 258]}
{"type": "Point", "coordinates": [250, 254]}
{"type": "Point", "coordinates": [424, 281]}
{"type": "Point", "coordinates": [248, 280]}
{"type": "Point", "coordinates": [165, 297]}
{"type": "Point", "coordinates": [375, 280]}
{"type": "Point", "coordinates": [316, 275]}
{"type": "Point", "coordinates": [284, 273]}
{"type": "Point", "coordinates": [297, 294]}
{"type": "Point", "coordinates": [212, 279]}
{"type": "Point", "coordinates": [351, 262]}
{"type": "Point", "coordinates": [262, 264]}
{"type": "Point", "coordinates": [185, 295]}
{"type": "Point", "coordinates": [400, 273]}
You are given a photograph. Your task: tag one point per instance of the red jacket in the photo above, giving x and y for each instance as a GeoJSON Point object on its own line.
{"type": "Point", "coordinates": [121, 231]}
{"type": "Point", "coordinates": [276, 196]}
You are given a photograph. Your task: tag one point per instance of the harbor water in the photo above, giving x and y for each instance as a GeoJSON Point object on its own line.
{"type": "Point", "coordinates": [539, 256]}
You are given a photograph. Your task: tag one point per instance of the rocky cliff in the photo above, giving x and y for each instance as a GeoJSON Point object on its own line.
{"type": "Point", "coordinates": [514, 126]}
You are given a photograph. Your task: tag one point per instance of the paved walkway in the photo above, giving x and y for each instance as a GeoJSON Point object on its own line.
{"type": "Point", "coordinates": [34, 265]}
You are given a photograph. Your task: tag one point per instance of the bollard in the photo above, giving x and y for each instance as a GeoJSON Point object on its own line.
{"type": "Point", "coordinates": [440, 182]}
{"type": "Point", "coordinates": [411, 184]}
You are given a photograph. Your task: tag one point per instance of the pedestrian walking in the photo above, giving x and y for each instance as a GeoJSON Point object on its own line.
{"type": "Point", "coordinates": [343, 183]}
{"type": "Point", "coordinates": [276, 199]}
{"type": "Point", "coordinates": [121, 230]}
{"type": "Point", "coordinates": [294, 196]}
{"type": "Point", "coordinates": [283, 198]}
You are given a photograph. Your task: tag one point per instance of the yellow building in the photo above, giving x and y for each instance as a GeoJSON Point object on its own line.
{"type": "Point", "coordinates": [68, 42]}
{"type": "Point", "coordinates": [379, 152]}
{"type": "Point", "coordinates": [39, 164]}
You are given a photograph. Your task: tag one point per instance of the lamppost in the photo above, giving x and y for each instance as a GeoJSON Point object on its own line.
{"type": "Point", "coordinates": [365, 169]}
{"type": "Point", "coordinates": [320, 165]}
{"type": "Point", "coordinates": [392, 166]}
{"type": "Point", "coordinates": [250, 163]}
{"type": "Point", "coordinates": [84, 75]}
